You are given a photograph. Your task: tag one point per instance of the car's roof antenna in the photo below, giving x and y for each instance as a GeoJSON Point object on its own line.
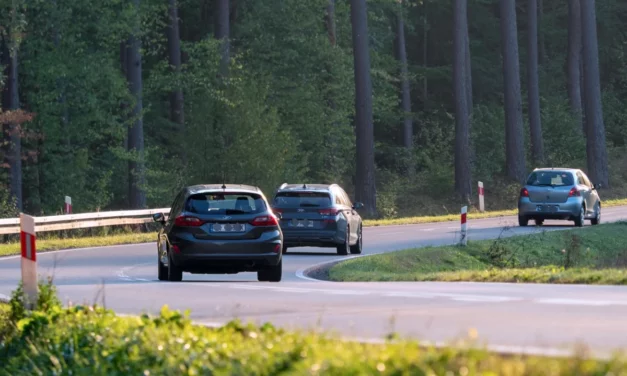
{"type": "Point", "coordinates": [304, 186]}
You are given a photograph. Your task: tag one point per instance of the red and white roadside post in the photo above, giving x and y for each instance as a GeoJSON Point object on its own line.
{"type": "Point", "coordinates": [481, 195]}
{"type": "Point", "coordinates": [68, 205]}
{"type": "Point", "coordinates": [29, 259]}
{"type": "Point", "coordinates": [464, 239]}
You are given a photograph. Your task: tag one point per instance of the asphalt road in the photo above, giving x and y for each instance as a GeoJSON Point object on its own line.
{"type": "Point", "coordinates": [513, 317]}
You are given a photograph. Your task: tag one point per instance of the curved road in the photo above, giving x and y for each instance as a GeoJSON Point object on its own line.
{"type": "Point", "coordinates": [532, 317]}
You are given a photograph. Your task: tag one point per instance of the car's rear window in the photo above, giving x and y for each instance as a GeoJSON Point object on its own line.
{"type": "Point", "coordinates": [225, 203]}
{"type": "Point", "coordinates": [302, 199]}
{"type": "Point", "coordinates": [550, 178]}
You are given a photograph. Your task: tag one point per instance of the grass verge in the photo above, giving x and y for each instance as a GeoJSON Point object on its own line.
{"type": "Point", "coordinates": [93, 341]}
{"type": "Point", "coordinates": [592, 255]}
{"type": "Point", "coordinates": [53, 244]}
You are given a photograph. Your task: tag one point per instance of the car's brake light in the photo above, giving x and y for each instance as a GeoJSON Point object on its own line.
{"type": "Point", "coordinates": [574, 192]}
{"type": "Point", "coordinates": [330, 212]}
{"type": "Point", "coordinates": [264, 221]}
{"type": "Point", "coordinates": [186, 221]}
{"type": "Point", "coordinates": [524, 192]}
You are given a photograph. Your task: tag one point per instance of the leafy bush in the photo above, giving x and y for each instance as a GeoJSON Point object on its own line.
{"type": "Point", "coordinates": [90, 340]}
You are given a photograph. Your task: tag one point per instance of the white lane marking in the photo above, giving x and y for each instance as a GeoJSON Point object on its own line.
{"type": "Point", "coordinates": [596, 303]}
{"type": "Point", "coordinates": [427, 229]}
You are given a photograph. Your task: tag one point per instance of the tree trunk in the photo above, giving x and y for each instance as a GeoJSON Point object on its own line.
{"type": "Point", "coordinates": [137, 179]}
{"type": "Point", "coordinates": [177, 113]}
{"type": "Point", "coordinates": [468, 70]}
{"type": "Point", "coordinates": [222, 33]}
{"type": "Point", "coordinates": [533, 92]}
{"type": "Point", "coordinates": [364, 128]}
{"type": "Point", "coordinates": [408, 133]}
{"type": "Point", "coordinates": [595, 129]}
{"type": "Point", "coordinates": [515, 153]}
{"type": "Point", "coordinates": [330, 23]}
{"type": "Point", "coordinates": [460, 70]}
{"type": "Point", "coordinates": [541, 43]}
{"type": "Point", "coordinates": [425, 54]}
{"type": "Point", "coordinates": [574, 61]}
{"type": "Point", "coordinates": [14, 130]}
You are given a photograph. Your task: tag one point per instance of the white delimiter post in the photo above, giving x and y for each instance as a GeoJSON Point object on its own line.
{"type": "Point", "coordinates": [481, 195]}
{"type": "Point", "coordinates": [29, 259]}
{"type": "Point", "coordinates": [463, 240]}
{"type": "Point", "coordinates": [68, 205]}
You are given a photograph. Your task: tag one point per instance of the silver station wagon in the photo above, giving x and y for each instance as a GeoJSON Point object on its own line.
{"type": "Point", "coordinates": [559, 193]}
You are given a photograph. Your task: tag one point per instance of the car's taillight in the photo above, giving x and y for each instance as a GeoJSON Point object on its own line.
{"type": "Point", "coordinates": [328, 212]}
{"type": "Point", "coordinates": [186, 221]}
{"type": "Point", "coordinates": [574, 192]}
{"type": "Point", "coordinates": [524, 192]}
{"type": "Point", "coordinates": [265, 220]}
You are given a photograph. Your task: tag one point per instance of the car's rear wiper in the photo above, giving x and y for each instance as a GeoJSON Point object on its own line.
{"type": "Point", "coordinates": [235, 211]}
{"type": "Point", "coordinates": [309, 205]}
{"type": "Point", "coordinates": [544, 185]}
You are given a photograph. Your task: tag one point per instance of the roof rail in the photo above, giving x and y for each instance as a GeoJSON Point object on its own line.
{"type": "Point", "coordinates": [283, 185]}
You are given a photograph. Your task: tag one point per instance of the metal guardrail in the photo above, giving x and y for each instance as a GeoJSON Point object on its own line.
{"type": "Point", "coordinates": [83, 220]}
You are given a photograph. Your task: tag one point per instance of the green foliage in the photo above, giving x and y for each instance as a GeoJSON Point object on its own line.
{"type": "Point", "coordinates": [595, 255]}
{"type": "Point", "coordinates": [90, 340]}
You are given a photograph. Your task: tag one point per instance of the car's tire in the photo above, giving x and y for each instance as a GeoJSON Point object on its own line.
{"type": "Point", "coordinates": [356, 249]}
{"type": "Point", "coordinates": [580, 218]}
{"type": "Point", "coordinates": [342, 249]}
{"type": "Point", "coordinates": [597, 215]}
{"type": "Point", "coordinates": [539, 222]}
{"type": "Point", "coordinates": [273, 274]}
{"type": "Point", "coordinates": [523, 221]}
{"type": "Point", "coordinates": [162, 270]}
{"type": "Point", "coordinates": [175, 273]}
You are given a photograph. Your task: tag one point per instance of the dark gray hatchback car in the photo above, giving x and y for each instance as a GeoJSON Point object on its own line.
{"type": "Point", "coordinates": [319, 215]}
{"type": "Point", "coordinates": [219, 229]}
{"type": "Point", "coordinates": [559, 193]}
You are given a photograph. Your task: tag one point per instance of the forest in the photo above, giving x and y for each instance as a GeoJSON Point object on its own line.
{"type": "Point", "coordinates": [405, 103]}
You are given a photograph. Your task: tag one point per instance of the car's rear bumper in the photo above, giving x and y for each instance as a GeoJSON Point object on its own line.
{"type": "Point", "coordinates": [312, 238]}
{"type": "Point", "coordinates": [227, 256]}
{"type": "Point", "coordinates": [565, 210]}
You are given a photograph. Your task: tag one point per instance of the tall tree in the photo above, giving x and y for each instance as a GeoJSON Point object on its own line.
{"type": "Point", "coordinates": [595, 128]}
{"type": "Point", "coordinates": [533, 92]}
{"type": "Point", "coordinates": [541, 39]}
{"type": "Point", "coordinates": [514, 149]}
{"type": "Point", "coordinates": [177, 112]}
{"type": "Point", "coordinates": [13, 128]}
{"type": "Point", "coordinates": [223, 33]}
{"type": "Point", "coordinates": [136, 167]}
{"type": "Point", "coordinates": [408, 132]}
{"type": "Point", "coordinates": [574, 61]}
{"type": "Point", "coordinates": [460, 70]}
{"type": "Point", "coordinates": [365, 189]}
{"type": "Point", "coordinates": [330, 23]}
{"type": "Point", "coordinates": [468, 71]}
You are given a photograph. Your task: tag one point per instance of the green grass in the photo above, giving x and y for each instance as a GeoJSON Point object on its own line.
{"type": "Point", "coordinates": [44, 245]}
{"type": "Point", "coordinates": [94, 341]}
{"type": "Point", "coordinates": [592, 255]}
{"type": "Point", "coordinates": [53, 244]}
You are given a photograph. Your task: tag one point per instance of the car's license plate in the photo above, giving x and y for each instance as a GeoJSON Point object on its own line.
{"type": "Point", "coordinates": [302, 223]}
{"type": "Point", "coordinates": [228, 227]}
{"type": "Point", "coordinates": [546, 208]}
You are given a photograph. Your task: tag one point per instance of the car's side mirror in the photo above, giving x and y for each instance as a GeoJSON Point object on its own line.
{"type": "Point", "coordinates": [597, 186]}
{"type": "Point", "coordinates": [358, 205]}
{"type": "Point", "coordinates": [277, 214]}
{"type": "Point", "coordinates": [159, 218]}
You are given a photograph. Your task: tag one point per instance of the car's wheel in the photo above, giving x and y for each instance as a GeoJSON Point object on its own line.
{"type": "Point", "coordinates": [539, 222]}
{"type": "Point", "coordinates": [273, 274]}
{"type": "Point", "coordinates": [162, 270]}
{"type": "Point", "coordinates": [580, 218]}
{"type": "Point", "coordinates": [356, 249]}
{"type": "Point", "coordinates": [343, 249]}
{"type": "Point", "coordinates": [597, 215]}
{"type": "Point", "coordinates": [175, 273]}
{"type": "Point", "coordinates": [522, 220]}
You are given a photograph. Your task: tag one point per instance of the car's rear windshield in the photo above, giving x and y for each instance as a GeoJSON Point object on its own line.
{"type": "Point", "coordinates": [302, 199]}
{"type": "Point", "coordinates": [550, 178]}
{"type": "Point", "coordinates": [225, 203]}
